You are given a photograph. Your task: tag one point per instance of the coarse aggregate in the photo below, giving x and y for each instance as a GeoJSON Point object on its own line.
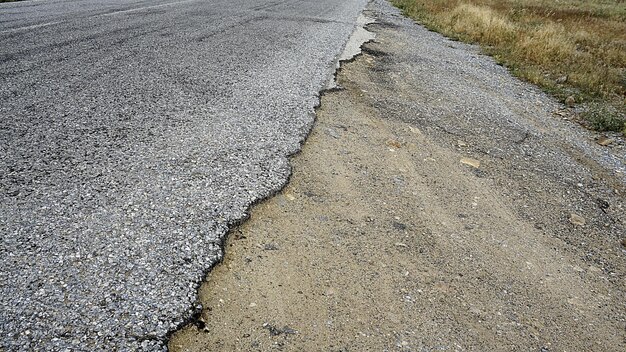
{"type": "Point", "coordinates": [133, 135]}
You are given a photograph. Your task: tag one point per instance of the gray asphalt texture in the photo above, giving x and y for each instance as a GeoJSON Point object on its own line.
{"type": "Point", "coordinates": [133, 134]}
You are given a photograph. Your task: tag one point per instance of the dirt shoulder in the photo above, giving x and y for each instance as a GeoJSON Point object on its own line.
{"type": "Point", "coordinates": [438, 204]}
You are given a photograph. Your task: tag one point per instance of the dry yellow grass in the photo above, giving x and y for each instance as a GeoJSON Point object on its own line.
{"type": "Point", "coordinates": [479, 23]}
{"type": "Point", "coordinates": [548, 45]}
{"type": "Point", "coordinates": [568, 47]}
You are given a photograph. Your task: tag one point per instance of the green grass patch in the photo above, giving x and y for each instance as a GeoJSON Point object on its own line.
{"type": "Point", "coordinates": [603, 118]}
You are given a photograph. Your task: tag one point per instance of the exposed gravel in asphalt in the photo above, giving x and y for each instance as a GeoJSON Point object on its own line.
{"type": "Point", "coordinates": [133, 134]}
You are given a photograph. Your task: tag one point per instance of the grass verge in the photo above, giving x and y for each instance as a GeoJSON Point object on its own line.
{"type": "Point", "coordinates": [573, 49]}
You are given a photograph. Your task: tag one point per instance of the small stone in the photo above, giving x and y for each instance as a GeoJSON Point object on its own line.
{"type": "Point", "coordinates": [289, 331]}
{"type": "Point", "coordinates": [270, 247]}
{"type": "Point", "coordinates": [252, 305]}
{"type": "Point", "coordinates": [471, 162]}
{"type": "Point", "coordinates": [570, 101]}
{"type": "Point", "coordinates": [561, 79]}
{"type": "Point", "coordinates": [577, 219]}
{"type": "Point", "coordinates": [394, 143]}
{"type": "Point", "coordinates": [399, 226]}
{"type": "Point", "coordinates": [331, 132]}
{"type": "Point", "coordinates": [274, 331]}
{"type": "Point", "coordinates": [290, 196]}
{"type": "Point", "coordinates": [604, 141]}
{"type": "Point", "coordinates": [603, 204]}
{"type": "Point", "coordinates": [400, 244]}
{"type": "Point", "coordinates": [461, 144]}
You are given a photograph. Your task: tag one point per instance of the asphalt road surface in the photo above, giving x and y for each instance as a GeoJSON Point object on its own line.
{"type": "Point", "coordinates": [133, 134]}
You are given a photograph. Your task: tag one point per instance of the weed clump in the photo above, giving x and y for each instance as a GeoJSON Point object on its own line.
{"type": "Point", "coordinates": [603, 118]}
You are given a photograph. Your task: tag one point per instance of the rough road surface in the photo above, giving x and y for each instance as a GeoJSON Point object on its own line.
{"type": "Point", "coordinates": [438, 205]}
{"type": "Point", "coordinates": [132, 134]}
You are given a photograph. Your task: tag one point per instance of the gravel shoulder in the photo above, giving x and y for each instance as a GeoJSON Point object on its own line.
{"type": "Point", "coordinates": [438, 204]}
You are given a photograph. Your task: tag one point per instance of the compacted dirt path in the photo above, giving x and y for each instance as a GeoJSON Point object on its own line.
{"type": "Point", "coordinates": [438, 204]}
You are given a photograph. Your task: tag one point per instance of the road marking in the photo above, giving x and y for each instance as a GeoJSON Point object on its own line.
{"type": "Point", "coordinates": [30, 27]}
{"type": "Point", "coordinates": [144, 8]}
{"type": "Point", "coordinates": [105, 14]}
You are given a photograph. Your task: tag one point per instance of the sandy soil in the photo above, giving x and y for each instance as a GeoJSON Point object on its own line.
{"type": "Point", "coordinates": [395, 236]}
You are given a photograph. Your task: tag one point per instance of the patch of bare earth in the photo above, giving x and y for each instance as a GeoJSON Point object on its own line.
{"type": "Point", "coordinates": [395, 233]}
